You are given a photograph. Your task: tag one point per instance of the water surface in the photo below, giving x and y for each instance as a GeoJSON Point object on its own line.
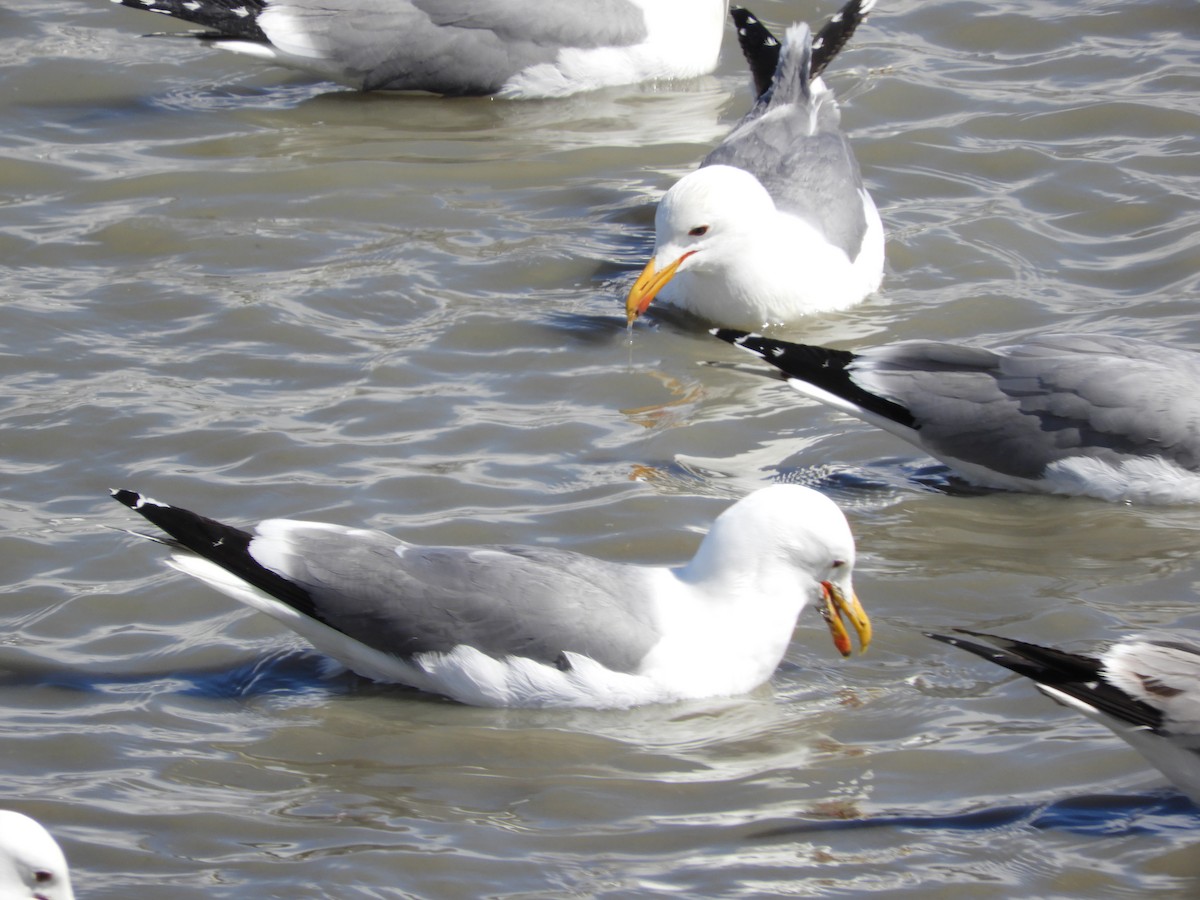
{"type": "Point", "coordinates": [253, 295]}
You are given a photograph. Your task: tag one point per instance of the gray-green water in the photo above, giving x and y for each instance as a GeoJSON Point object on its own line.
{"type": "Point", "coordinates": [252, 295]}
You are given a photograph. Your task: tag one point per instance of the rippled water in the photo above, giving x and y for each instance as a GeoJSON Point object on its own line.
{"type": "Point", "coordinates": [252, 295]}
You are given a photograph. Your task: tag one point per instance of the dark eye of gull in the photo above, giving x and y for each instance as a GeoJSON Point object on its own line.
{"type": "Point", "coordinates": [699, 231]}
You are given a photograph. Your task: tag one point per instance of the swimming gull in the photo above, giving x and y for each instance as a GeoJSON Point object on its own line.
{"type": "Point", "coordinates": [1146, 689]}
{"type": "Point", "coordinates": [533, 626]}
{"type": "Point", "coordinates": [32, 864]}
{"type": "Point", "coordinates": [776, 223]}
{"type": "Point", "coordinates": [514, 48]}
{"type": "Point", "coordinates": [1081, 414]}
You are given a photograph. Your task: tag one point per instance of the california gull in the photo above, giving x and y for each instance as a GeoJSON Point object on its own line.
{"type": "Point", "coordinates": [514, 48]}
{"type": "Point", "coordinates": [537, 626]}
{"type": "Point", "coordinates": [1083, 414]}
{"type": "Point", "coordinates": [776, 223]}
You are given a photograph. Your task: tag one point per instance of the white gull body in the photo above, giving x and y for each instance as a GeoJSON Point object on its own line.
{"type": "Point", "coordinates": [513, 48]}
{"type": "Point", "coordinates": [1146, 689]}
{"type": "Point", "coordinates": [1081, 414]}
{"type": "Point", "coordinates": [527, 626]}
{"type": "Point", "coordinates": [776, 224]}
{"type": "Point", "coordinates": [32, 865]}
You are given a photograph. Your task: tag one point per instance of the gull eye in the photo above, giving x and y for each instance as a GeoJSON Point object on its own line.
{"type": "Point", "coordinates": [699, 231]}
{"type": "Point", "coordinates": [837, 564]}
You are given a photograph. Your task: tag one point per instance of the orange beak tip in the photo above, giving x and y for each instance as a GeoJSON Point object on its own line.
{"type": "Point", "coordinates": [836, 608]}
{"type": "Point", "coordinates": [647, 286]}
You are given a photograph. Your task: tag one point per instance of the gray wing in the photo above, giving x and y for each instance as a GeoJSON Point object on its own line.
{"type": "Point", "coordinates": [792, 142]}
{"type": "Point", "coordinates": [474, 44]}
{"type": "Point", "coordinates": [1019, 409]}
{"type": "Point", "coordinates": [405, 599]}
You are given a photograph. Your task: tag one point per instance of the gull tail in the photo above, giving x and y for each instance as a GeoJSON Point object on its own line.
{"type": "Point", "coordinates": [791, 85]}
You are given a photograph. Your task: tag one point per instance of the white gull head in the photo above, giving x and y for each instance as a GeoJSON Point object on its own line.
{"type": "Point", "coordinates": [32, 865]}
{"type": "Point", "coordinates": [723, 251]}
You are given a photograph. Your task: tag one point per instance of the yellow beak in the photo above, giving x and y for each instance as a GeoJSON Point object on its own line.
{"type": "Point", "coordinates": [646, 288]}
{"type": "Point", "coordinates": [837, 607]}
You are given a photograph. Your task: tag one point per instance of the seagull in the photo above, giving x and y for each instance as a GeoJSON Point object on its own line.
{"type": "Point", "coordinates": [1079, 414]}
{"type": "Point", "coordinates": [32, 865]}
{"type": "Point", "coordinates": [514, 48]}
{"type": "Point", "coordinates": [775, 224]}
{"type": "Point", "coordinates": [1146, 689]}
{"type": "Point", "coordinates": [534, 626]}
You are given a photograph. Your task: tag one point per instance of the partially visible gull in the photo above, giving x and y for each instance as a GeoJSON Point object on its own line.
{"type": "Point", "coordinates": [532, 626]}
{"type": "Point", "coordinates": [776, 223]}
{"type": "Point", "coordinates": [32, 865]}
{"type": "Point", "coordinates": [514, 48]}
{"type": "Point", "coordinates": [1146, 689]}
{"type": "Point", "coordinates": [1082, 414]}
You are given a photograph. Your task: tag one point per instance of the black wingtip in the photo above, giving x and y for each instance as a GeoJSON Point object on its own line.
{"type": "Point", "coordinates": [129, 498]}
{"type": "Point", "coordinates": [759, 46]}
{"type": "Point", "coordinates": [822, 367]}
{"type": "Point", "coordinates": [950, 638]}
{"type": "Point", "coordinates": [1074, 674]}
{"type": "Point", "coordinates": [224, 545]}
{"type": "Point", "coordinates": [138, 502]}
{"type": "Point", "coordinates": [1043, 665]}
{"type": "Point", "coordinates": [730, 335]}
{"type": "Point", "coordinates": [226, 19]}
{"type": "Point", "coordinates": [990, 653]}
{"type": "Point", "coordinates": [836, 33]}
